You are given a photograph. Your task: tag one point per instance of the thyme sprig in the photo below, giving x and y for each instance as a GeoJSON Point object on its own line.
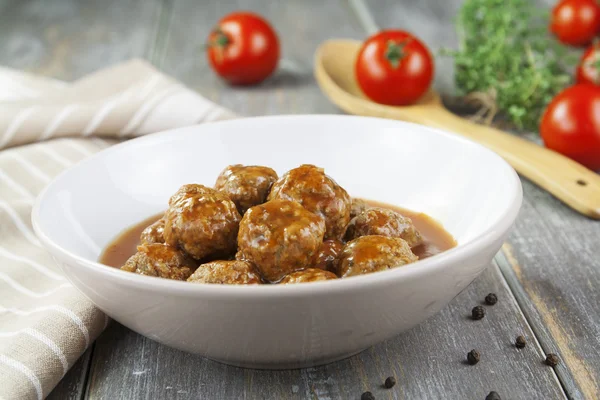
{"type": "Point", "coordinates": [505, 49]}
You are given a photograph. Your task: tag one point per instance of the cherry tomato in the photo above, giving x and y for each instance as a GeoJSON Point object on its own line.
{"type": "Point", "coordinates": [571, 124]}
{"type": "Point", "coordinates": [243, 48]}
{"type": "Point", "coordinates": [394, 67]}
{"type": "Point", "coordinates": [576, 22]}
{"type": "Point", "coordinates": [588, 70]}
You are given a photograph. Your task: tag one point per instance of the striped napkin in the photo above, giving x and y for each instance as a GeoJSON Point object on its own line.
{"type": "Point", "coordinates": [45, 127]}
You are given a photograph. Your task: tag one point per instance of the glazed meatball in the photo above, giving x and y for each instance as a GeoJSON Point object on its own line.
{"type": "Point", "coordinates": [154, 233]}
{"type": "Point", "coordinates": [328, 254]}
{"type": "Point", "coordinates": [280, 237]}
{"type": "Point", "coordinates": [226, 272]}
{"type": "Point", "coordinates": [319, 194]}
{"type": "Point", "coordinates": [384, 222]}
{"type": "Point", "coordinates": [308, 275]}
{"type": "Point", "coordinates": [202, 221]}
{"type": "Point", "coordinates": [373, 253]}
{"type": "Point", "coordinates": [246, 186]}
{"type": "Point", "coordinates": [357, 207]}
{"type": "Point", "coordinates": [160, 260]}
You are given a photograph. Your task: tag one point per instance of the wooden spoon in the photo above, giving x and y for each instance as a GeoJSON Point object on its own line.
{"type": "Point", "coordinates": [566, 179]}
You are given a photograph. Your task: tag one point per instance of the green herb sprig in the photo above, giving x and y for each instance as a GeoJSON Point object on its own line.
{"type": "Point", "coordinates": [506, 50]}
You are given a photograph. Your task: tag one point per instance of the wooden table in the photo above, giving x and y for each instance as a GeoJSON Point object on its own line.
{"type": "Point", "coordinates": [547, 276]}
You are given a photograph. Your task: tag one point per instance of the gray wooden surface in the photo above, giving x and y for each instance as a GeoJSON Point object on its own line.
{"type": "Point", "coordinates": [550, 268]}
{"type": "Point", "coordinates": [67, 39]}
{"type": "Point", "coordinates": [428, 363]}
{"type": "Point", "coordinates": [73, 384]}
{"type": "Point", "coordinates": [552, 258]}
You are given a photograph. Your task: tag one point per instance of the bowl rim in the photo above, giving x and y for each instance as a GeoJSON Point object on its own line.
{"type": "Point", "coordinates": [428, 266]}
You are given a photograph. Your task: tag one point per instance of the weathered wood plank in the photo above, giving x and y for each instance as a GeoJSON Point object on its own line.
{"type": "Point", "coordinates": [72, 385]}
{"type": "Point", "coordinates": [551, 260]}
{"type": "Point", "coordinates": [303, 96]}
{"type": "Point", "coordinates": [430, 20]}
{"type": "Point", "coordinates": [301, 25]}
{"type": "Point", "coordinates": [428, 363]}
{"type": "Point", "coordinates": [128, 365]}
{"type": "Point", "coordinates": [553, 264]}
{"type": "Point", "coordinates": [67, 39]}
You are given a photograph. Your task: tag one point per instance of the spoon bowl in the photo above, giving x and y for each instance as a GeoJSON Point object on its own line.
{"type": "Point", "coordinates": [569, 181]}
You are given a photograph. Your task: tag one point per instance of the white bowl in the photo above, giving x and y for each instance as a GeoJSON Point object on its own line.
{"type": "Point", "coordinates": [469, 189]}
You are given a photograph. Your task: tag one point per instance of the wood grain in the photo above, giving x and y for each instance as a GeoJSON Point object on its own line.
{"type": "Point", "coordinates": [428, 363]}
{"type": "Point", "coordinates": [571, 182]}
{"type": "Point", "coordinates": [71, 38]}
{"type": "Point", "coordinates": [551, 261]}
{"type": "Point", "coordinates": [301, 25]}
{"type": "Point", "coordinates": [431, 20]}
{"type": "Point", "coordinates": [73, 384]}
{"type": "Point", "coordinates": [434, 22]}
{"type": "Point", "coordinates": [67, 39]}
{"type": "Point", "coordinates": [131, 366]}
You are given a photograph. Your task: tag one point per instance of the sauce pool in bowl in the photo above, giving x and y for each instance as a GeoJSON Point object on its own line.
{"type": "Point", "coordinates": [435, 238]}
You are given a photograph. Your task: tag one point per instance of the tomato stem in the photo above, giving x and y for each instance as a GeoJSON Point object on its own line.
{"type": "Point", "coordinates": [394, 52]}
{"type": "Point", "coordinates": [593, 62]}
{"type": "Point", "coordinates": [596, 60]}
{"type": "Point", "coordinates": [220, 39]}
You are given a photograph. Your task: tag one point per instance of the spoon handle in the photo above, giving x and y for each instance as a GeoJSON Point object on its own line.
{"type": "Point", "coordinates": [566, 179]}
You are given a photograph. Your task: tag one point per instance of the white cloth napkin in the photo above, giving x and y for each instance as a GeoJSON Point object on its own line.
{"type": "Point", "coordinates": [45, 127]}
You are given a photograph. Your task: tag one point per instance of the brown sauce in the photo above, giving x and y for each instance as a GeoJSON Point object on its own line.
{"type": "Point", "coordinates": [125, 244]}
{"type": "Point", "coordinates": [435, 238]}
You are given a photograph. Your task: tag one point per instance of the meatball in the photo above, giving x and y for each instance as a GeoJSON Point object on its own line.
{"type": "Point", "coordinates": [246, 186]}
{"type": "Point", "coordinates": [308, 275]}
{"type": "Point", "coordinates": [154, 233]}
{"type": "Point", "coordinates": [160, 260]}
{"type": "Point", "coordinates": [226, 272]}
{"type": "Point", "coordinates": [357, 207]}
{"type": "Point", "coordinates": [280, 237]}
{"type": "Point", "coordinates": [384, 222]}
{"type": "Point", "coordinates": [373, 253]}
{"type": "Point", "coordinates": [201, 221]}
{"type": "Point", "coordinates": [328, 254]}
{"type": "Point", "coordinates": [319, 194]}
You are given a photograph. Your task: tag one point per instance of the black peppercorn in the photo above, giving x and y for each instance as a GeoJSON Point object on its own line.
{"type": "Point", "coordinates": [520, 342]}
{"type": "Point", "coordinates": [493, 396]}
{"type": "Point", "coordinates": [367, 396]}
{"type": "Point", "coordinates": [477, 312]}
{"type": "Point", "coordinates": [473, 357]}
{"type": "Point", "coordinates": [491, 299]}
{"type": "Point", "coordinates": [389, 382]}
{"type": "Point", "coordinates": [551, 360]}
